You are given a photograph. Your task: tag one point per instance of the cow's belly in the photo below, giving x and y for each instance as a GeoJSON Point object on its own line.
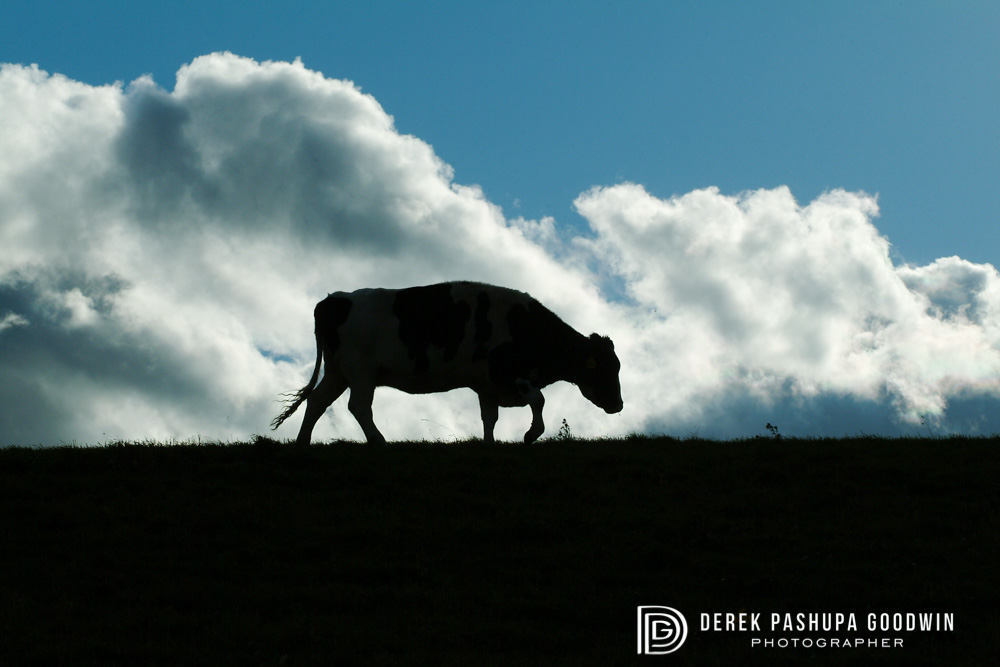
{"type": "Point", "coordinates": [433, 382]}
{"type": "Point", "coordinates": [420, 384]}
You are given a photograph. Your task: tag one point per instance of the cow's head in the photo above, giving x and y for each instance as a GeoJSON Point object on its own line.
{"type": "Point", "coordinates": [599, 383]}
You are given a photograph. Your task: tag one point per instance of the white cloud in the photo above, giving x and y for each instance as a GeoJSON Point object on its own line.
{"type": "Point", "coordinates": [782, 301]}
{"type": "Point", "coordinates": [11, 320]}
{"type": "Point", "coordinates": [163, 252]}
{"type": "Point", "coordinates": [169, 247]}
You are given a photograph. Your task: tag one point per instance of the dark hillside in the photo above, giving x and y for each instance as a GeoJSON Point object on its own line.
{"type": "Point", "coordinates": [260, 554]}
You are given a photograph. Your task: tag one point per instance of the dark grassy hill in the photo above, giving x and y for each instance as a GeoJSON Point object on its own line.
{"type": "Point", "coordinates": [260, 554]}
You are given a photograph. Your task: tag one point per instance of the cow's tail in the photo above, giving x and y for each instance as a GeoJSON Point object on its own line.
{"type": "Point", "coordinates": [294, 399]}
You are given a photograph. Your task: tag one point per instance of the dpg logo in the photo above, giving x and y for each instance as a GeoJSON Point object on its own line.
{"type": "Point", "coordinates": [661, 630]}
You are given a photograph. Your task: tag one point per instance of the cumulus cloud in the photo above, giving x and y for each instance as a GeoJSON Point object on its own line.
{"type": "Point", "coordinates": [758, 296]}
{"type": "Point", "coordinates": [162, 252]}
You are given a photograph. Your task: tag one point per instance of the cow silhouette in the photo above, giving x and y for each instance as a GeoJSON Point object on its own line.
{"type": "Point", "coordinates": [501, 343]}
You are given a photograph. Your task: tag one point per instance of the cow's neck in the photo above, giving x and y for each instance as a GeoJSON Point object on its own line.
{"type": "Point", "coordinates": [568, 360]}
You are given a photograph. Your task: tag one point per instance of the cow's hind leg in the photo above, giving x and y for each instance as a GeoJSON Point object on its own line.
{"type": "Point", "coordinates": [360, 405]}
{"type": "Point", "coordinates": [321, 398]}
{"type": "Point", "coordinates": [490, 410]}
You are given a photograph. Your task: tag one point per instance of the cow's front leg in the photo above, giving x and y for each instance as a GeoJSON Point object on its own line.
{"type": "Point", "coordinates": [490, 411]}
{"type": "Point", "coordinates": [536, 401]}
{"type": "Point", "coordinates": [360, 405]}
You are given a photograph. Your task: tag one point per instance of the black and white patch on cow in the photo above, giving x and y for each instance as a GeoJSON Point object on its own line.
{"type": "Point", "coordinates": [501, 343]}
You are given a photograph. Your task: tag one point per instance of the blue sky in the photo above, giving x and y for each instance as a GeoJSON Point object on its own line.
{"type": "Point", "coordinates": [781, 212]}
{"type": "Point", "coordinates": [538, 101]}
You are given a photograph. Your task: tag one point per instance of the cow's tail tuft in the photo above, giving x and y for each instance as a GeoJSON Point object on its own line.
{"type": "Point", "coordinates": [294, 399]}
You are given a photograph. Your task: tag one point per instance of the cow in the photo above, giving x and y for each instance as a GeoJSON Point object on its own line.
{"type": "Point", "coordinates": [501, 343]}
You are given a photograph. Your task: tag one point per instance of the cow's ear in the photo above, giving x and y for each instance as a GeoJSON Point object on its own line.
{"type": "Point", "coordinates": [591, 363]}
{"type": "Point", "coordinates": [604, 341]}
